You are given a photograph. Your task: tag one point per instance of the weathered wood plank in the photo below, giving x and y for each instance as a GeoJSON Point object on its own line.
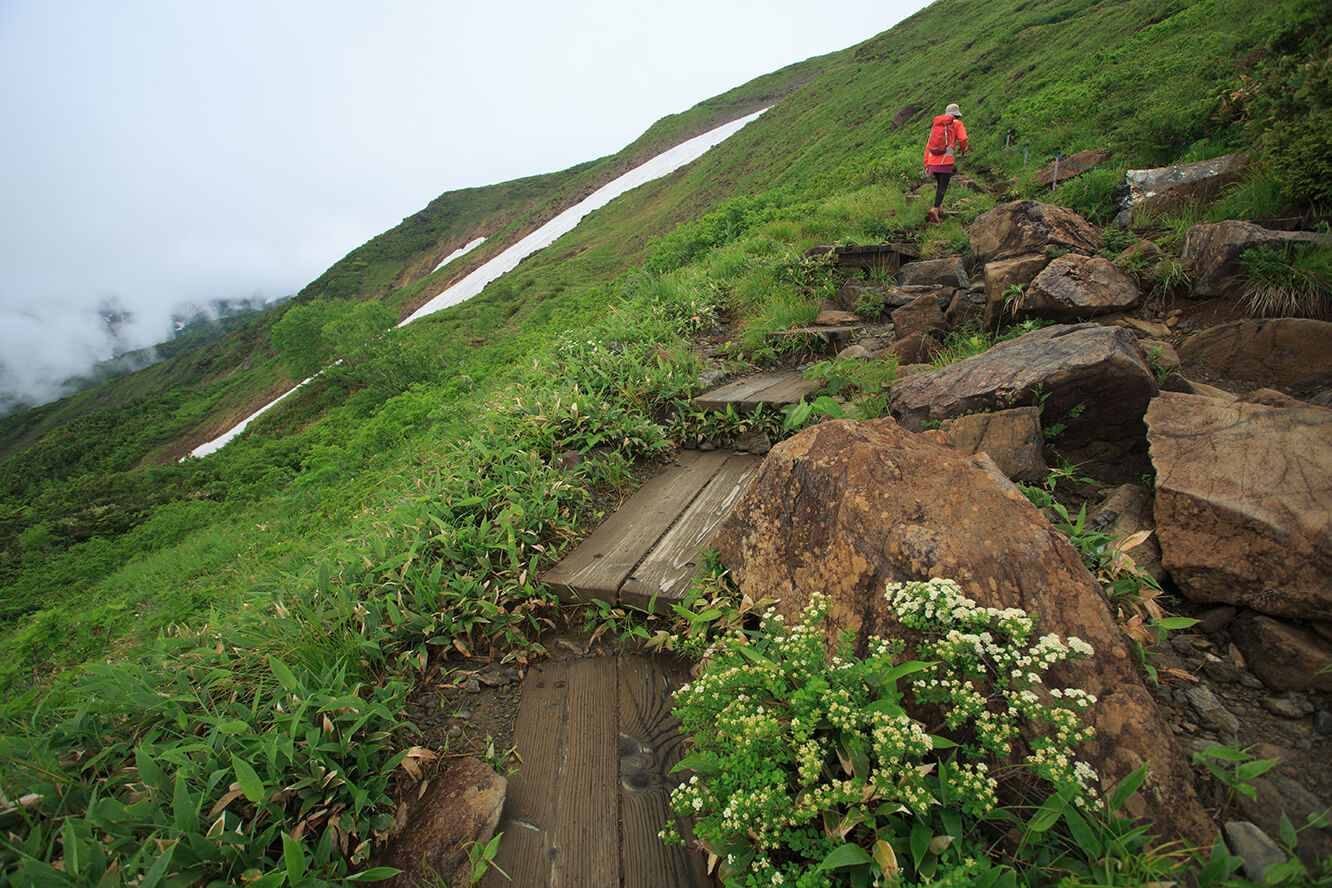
{"type": "Point", "coordinates": [650, 745]}
{"type": "Point", "coordinates": [890, 256]}
{"type": "Point", "coordinates": [561, 816]}
{"type": "Point", "coordinates": [790, 389]}
{"type": "Point", "coordinates": [742, 391]}
{"type": "Point", "coordinates": [665, 572]}
{"type": "Point", "coordinates": [597, 567]}
{"type": "Point", "coordinates": [763, 388]}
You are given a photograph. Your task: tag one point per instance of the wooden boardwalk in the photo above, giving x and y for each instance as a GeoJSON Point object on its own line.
{"type": "Point", "coordinates": [647, 552]}
{"type": "Point", "coordinates": [767, 389]}
{"type": "Point", "coordinates": [596, 742]}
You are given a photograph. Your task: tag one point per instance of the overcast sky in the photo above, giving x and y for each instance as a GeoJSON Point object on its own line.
{"type": "Point", "coordinates": [164, 152]}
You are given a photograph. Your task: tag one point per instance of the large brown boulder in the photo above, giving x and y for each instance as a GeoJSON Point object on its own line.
{"type": "Point", "coordinates": [1099, 370]}
{"type": "Point", "coordinates": [1242, 493]}
{"type": "Point", "coordinates": [1292, 352]}
{"type": "Point", "coordinates": [1075, 287]}
{"type": "Point", "coordinates": [1212, 250]}
{"type": "Point", "coordinates": [1026, 226]}
{"type": "Point", "coordinates": [844, 508]}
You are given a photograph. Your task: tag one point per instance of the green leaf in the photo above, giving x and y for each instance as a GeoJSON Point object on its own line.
{"type": "Point", "coordinates": [375, 874]}
{"type": "Point", "coordinates": [1050, 812]}
{"type": "Point", "coordinates": [249, 781]}
{"type": "Point", "coordinates": [846, 855]}
{"type": "Point", "coordinates": [1229, 753]}
{"type": "Point", "coordinates": [1176, 622]}
{"type": "Point", "coordinates": [284, 675]}
{"type": "Point", "coordinates": [184, 810]}
{"type": "Point", "coordinates": [293, 855]}
{"type": "Point", "coordinates": [703, 762]}
{"type": "Point", "coordinates": [1125, 789]}
{"type": "Point", "coordinates": [904, 669]}
{"type": "Point", "coordinates": [1083, 834]}
{"type": "Point", "coordinates": [1288, 835]}
{"type": "Point", "coordinates": [158, 869]}
{"type": "Point", "coordinates": [921, 835]}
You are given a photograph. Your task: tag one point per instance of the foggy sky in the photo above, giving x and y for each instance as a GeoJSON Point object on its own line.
{"type": "Point", "coordinates": [158, 153]}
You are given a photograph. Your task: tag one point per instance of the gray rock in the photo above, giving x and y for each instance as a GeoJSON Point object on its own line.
{"type": "Point", "coordinates": [844, 507]}
{"type": "Point", "coordinates": [1254, 845]}
{"type": "Point", "coordinates": [1323, 722]}
{"type": "Point", "coordinates": [755, 441]}
{"type": "Point", "coordinates": [1221, 671]}
{"type": "Point", "coordinates": [473, 686]}
{"type": "Point", "coordinates": [709, 378]}
{"type": "Point", "coordinates": [1164, 189]}
{"type": "Point", "coordinates": [1025, 227]}
{"type": "Point", "coordinates": [950, 272]}
{"type": "Point", "coordinates": [1211, 253]}
{"type": "Point", "coordinates": [854, 352]}
{"type": "Point", "coordinates": [1211, 711]}
{"type": "Point", "coordinates": [1284, 656]}
{"type": "Point", "coordinates": [922, 316]}
{"type": "Point", "coordinates": [1291, 706]}
{"type": "Point", "coordinates": [1074, 287]}
{"type": "Point", "coordinates": [1097, 369]}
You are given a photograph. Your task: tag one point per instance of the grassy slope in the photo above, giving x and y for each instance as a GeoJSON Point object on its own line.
{"type": "Point", "coordinates": [1141, 71]}
{"type": "Point", "coordinates": [357, 458]}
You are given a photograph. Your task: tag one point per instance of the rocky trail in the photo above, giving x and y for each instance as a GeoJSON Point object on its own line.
{"type": "Point", "coordinates": [1182, 417]}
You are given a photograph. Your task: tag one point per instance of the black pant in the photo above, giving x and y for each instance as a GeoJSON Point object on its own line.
{"type": "Point", "coordinates": [942, 179]}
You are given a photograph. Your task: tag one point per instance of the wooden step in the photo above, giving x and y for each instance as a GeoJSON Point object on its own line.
{"type": "Point", "coordinates": [647, 551]}
{"type": "Point", "coordinates": [768, 389]}
{"type": "Point", "coordinates": [664, 574]}
{"type": "Point", "coordinates": [596, 741]}
{"type": "Point", "coordinates": [884, 256]}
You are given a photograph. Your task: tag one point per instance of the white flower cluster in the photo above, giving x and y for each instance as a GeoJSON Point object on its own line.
{"type": "Point", "coordinates": [991, 647]}
{"type": "Point", "coordinates": [972, 786]}
{"type": "Point", "coordinates": [899, 739]}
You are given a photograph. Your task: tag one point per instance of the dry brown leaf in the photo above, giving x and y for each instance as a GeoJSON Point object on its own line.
{"type": "Point", "coordinates": [225, 800]}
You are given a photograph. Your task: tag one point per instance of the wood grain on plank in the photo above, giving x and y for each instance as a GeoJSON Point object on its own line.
{"type": "Point", "coordinates": [744, 393]}
{"type": "Point", "coordinates": [597, 567]}
{"type": "Point", "coordinates": [663, 577]}
{"type": "Point", "coordinates": [561, 817]}
{"type": "Point", "coordinates": [650, 745]}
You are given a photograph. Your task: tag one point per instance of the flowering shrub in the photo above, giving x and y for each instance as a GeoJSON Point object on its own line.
{"type": "Point", "coordinates": [810, 771]}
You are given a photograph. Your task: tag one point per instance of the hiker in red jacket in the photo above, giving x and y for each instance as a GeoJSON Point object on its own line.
{"type": "Point", "coordinates": [947, 137]}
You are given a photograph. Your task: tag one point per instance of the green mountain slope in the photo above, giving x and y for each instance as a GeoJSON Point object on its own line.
{"type": "Point", "coordinates": [406, 499]}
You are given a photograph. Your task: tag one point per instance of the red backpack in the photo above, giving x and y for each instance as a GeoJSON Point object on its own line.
{"type": "Point", "coordinates": [941, 136]}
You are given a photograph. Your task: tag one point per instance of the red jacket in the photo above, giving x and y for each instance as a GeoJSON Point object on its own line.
{"type": "Point", "coordinates": [958, 142]}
